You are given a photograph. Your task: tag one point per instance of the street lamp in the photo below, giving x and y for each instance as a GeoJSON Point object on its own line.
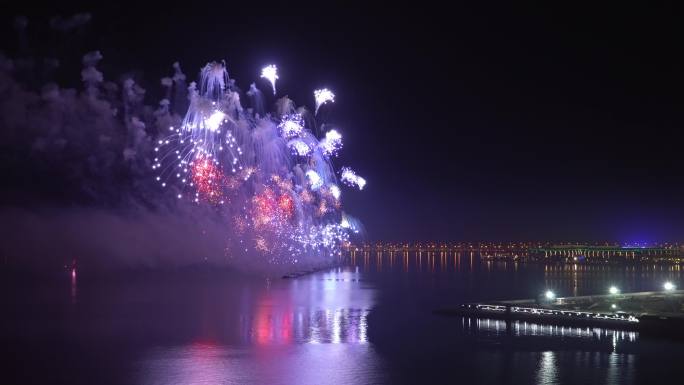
{"type": "Point", "coordinates": [550, 295]}
{"type": "Point", "coordinates": [614, 290]}
{"type": "Point", "coordinates": [668, 286]}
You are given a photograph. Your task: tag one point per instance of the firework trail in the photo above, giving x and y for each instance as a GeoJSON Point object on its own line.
{"type": "Point", "coordinates": [268, 175]}
{"type": "Point", "coordinates": [270, 73]}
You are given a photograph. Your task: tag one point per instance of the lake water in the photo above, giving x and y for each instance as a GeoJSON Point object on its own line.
{"type": "Point", "coordinates": [369, 321]}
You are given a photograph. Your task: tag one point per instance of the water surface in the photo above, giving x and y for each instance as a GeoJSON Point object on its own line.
{"type": "Point", "coordinates": [369, 321]}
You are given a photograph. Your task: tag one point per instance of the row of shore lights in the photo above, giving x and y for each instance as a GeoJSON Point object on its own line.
{"type": "Point", "coordinates": [667, 286]}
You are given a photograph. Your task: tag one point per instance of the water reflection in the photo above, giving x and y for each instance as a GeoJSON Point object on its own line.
{"type": "Point", "coordinates": [269, 327]}
{"type": "Point", "coordinates": [324, 308]}
{"type": "Point", "coordinates": [567, 279]}
{"type": "Point", "coordinates": [468, 260]}
{"type": "Point", "coordinates": [331, 327]}
{"type": "Point", "coordinates": [309, 330]}
{"type": "Point", "coordinates": [73, 287]}
{"type": "Point", "coordinates": [546, 372]}
{"type": "Point", "coordinates": [494, 327]}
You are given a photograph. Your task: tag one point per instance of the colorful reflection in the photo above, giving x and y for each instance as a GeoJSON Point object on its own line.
{"type": "Point", "coordinates": [428, 261]}
{"type": "Point", "coordinates": [320, 320]}
{"type": "Point", "coordinates": [324, 309]}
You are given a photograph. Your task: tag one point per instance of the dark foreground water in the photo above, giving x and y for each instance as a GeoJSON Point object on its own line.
{"type": "Point", "coordinates": [368, 322]}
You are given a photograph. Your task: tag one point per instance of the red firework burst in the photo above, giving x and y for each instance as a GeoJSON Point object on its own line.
{"type": "Point", "coordinates": [286, 204]}
{"type": "Point", "coordinates": [271, 208]}
{"type": "Point", "coordinates": [208, 179]}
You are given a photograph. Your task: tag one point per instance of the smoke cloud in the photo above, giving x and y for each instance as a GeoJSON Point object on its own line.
{"type": "Point", "coordinates": [85, 172]}
{"type": "Point", "coordinates": [77, 181]}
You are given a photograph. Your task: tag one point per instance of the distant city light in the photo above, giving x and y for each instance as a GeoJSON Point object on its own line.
{"type": "Point", "coordinates": [614, 306]}
{"type": "Point", "coordinates": [614, 290]}
{"type": "Point", "coordinates": [668, 286]}
{"type": "Point", "coordinates": [550, 295]}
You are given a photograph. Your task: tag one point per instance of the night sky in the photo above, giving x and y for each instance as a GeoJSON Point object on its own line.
{"type": "Point", "coordinates": [492, 123]}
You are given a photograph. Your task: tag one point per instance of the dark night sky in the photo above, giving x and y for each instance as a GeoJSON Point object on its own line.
{"type": "Point", "coordinates": [469, 123]}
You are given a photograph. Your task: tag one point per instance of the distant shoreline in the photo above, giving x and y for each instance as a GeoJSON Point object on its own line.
{"type": "Point", "coordinates": [670, 253]}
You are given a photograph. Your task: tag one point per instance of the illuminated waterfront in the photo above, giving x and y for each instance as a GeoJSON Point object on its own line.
{"type": "Point", "coordinates": [368, 321]}
{"type": "Point", "coordinates": [670, 253]}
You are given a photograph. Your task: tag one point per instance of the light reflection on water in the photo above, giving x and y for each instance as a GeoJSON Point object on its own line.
{"type": "Point", "coordinates": [566, 279]}
{"type": "Point", "coordinates": [310, 330]}
{"type": "Point", "coordinates": [495, 327]}
{"type": "Point", "coordinates": [367, 323]}
{"type": "Point", "coordinates": [323, 308]}
{"type": "Point", "coordinates": [73, 290]}
{"type": "Point", "coordinates": [207, 363]}
{"type": "Point", "coordinates": [547, 374]}
{"type": "Point", "coordinates": [340, 325]}
{"type": "Point", "coordinates": [315, 329]}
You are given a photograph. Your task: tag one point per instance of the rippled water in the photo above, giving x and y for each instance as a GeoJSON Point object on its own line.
{"type": "Point", "coordinates": [370, 321]}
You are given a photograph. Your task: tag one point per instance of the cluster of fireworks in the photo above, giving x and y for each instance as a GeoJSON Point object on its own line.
{"type": "Point", "coordinates": [269, 176]}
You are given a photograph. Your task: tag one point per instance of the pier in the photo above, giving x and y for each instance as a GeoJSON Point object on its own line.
{"type": "Point", "coordinates": [648, 312]}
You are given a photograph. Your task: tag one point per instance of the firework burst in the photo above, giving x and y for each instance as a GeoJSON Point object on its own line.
{"type": "Point", "coordinates": [272, 178]}
{"type": "Point", "coordinates": [349, 177]}
{"type": "Point", "coordinates": [323, 96]}
{"type": "Point", "coordinates": [209, 180]}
